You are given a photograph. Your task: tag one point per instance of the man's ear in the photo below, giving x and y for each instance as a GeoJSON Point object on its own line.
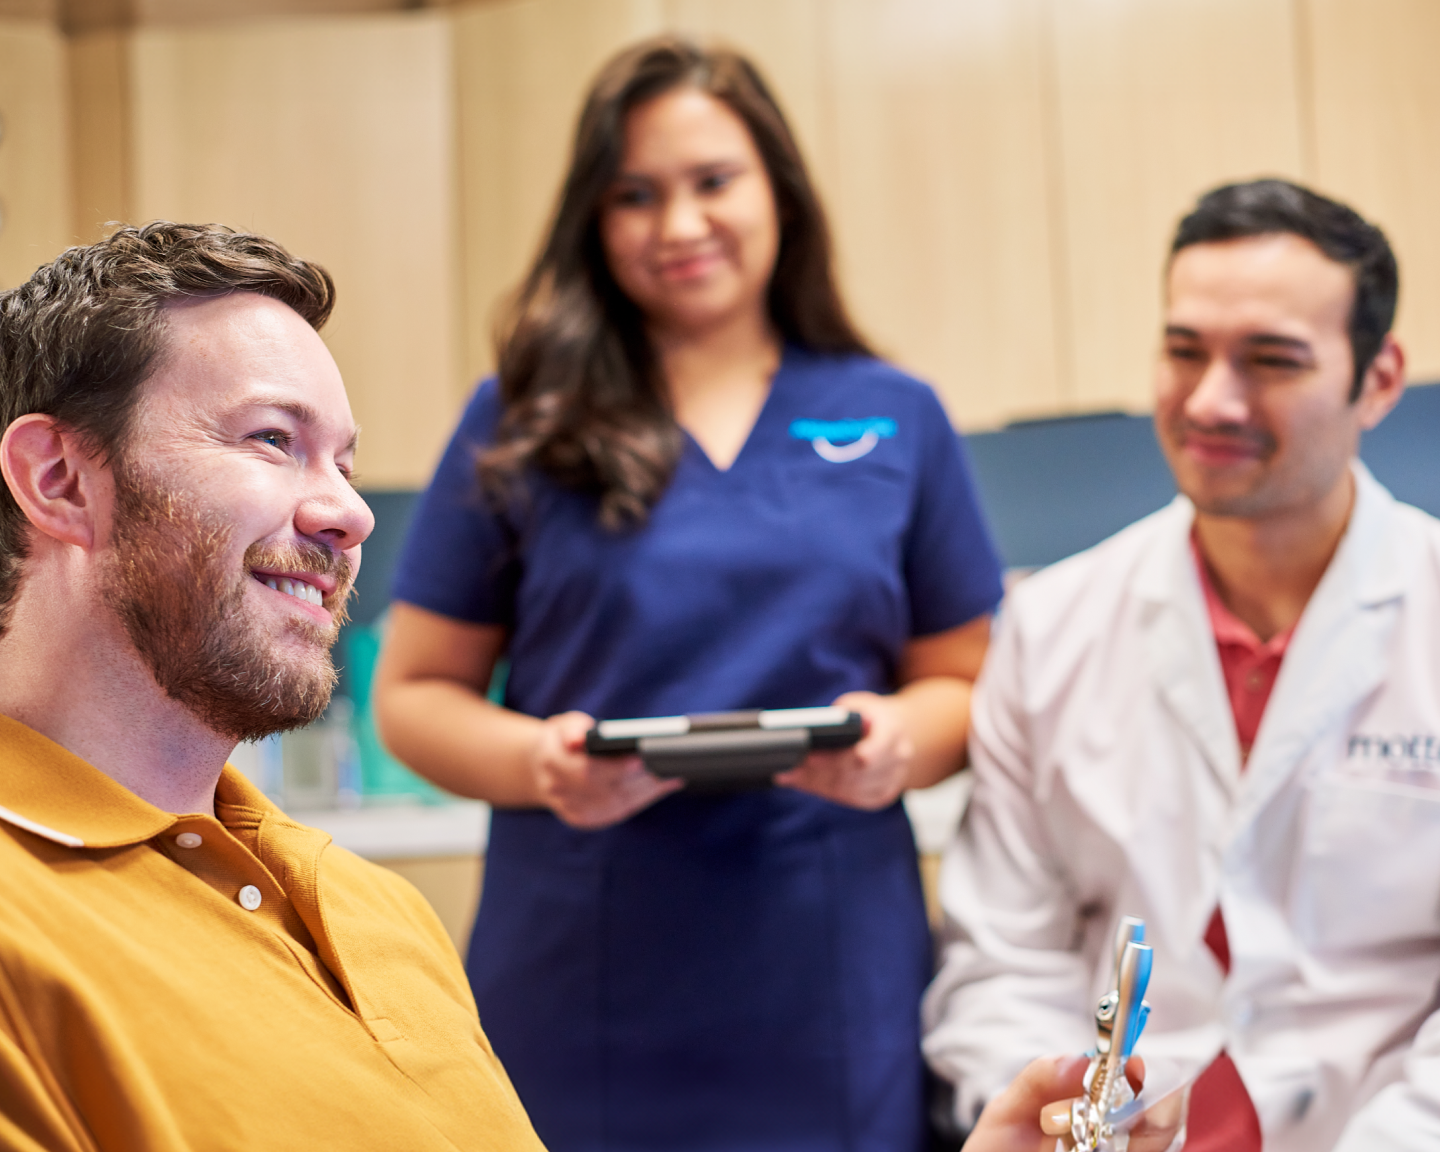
{"type": "Point", "coordinates": [1383, 385]}
{"type": "Point", "coordinates": [56, 482]}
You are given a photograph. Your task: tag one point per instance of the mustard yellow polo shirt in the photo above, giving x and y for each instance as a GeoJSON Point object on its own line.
{"type": "Point", "coordinates": [217, 982]}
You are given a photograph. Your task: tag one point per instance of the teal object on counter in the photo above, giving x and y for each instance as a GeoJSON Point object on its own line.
{"type": "Point", "coordinates": [383, 778]}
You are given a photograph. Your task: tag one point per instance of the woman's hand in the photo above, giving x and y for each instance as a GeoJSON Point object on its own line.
{"type": "Point", "coordinates": [873, 773]}
{"type": "Point", "coordinates": [590, 791]}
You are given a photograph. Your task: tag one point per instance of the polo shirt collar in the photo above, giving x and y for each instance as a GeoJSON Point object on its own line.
{"type": "Point", "coordinates": [1229, 628]}
{"type": "Point", "coordinates": [50, 792]}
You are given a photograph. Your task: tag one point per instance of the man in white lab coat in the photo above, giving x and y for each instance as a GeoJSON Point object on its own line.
{"type": "Point", "coordinates": [1226, 719]}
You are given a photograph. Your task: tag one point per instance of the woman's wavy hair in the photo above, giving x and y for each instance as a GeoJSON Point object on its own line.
{"type": "Point", "coordinates": [584, 402]}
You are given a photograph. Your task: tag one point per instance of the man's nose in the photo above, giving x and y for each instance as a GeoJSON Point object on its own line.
{"type": "Point", "coordinates": [334, 512]}
{"type": "Point", "coordinates": [1221, 396]}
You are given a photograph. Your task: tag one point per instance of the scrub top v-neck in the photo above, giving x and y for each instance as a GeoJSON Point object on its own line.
{"type": "Point", "coordinates": [719, 971]}
{"type": "Point", "coordinates": [692, 442]}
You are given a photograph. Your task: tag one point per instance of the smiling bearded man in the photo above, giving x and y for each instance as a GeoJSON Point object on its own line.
{"type": "Point", "coordinates": [184, 610]}
{"type": "Point", "coordinates": [181, 965]}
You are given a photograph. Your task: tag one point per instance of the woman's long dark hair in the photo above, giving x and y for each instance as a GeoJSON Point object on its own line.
{"type": "Point", "coordinates": [584, 402]}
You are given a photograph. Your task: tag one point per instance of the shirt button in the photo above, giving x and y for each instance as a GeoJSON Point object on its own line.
{"type": "Point", "coordinates": [189, 840]}
{"type": "Point", "coordinates": [250, 898]}
{"type": "Point", "coordinates": [1254, 681]}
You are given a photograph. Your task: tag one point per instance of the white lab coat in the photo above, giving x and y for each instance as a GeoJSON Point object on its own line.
{"type": "Point", "coordinates": [1108, 782]}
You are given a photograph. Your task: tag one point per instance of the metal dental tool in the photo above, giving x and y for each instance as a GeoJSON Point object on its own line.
{"type": "Point", "coordinates": [1119, 1020]}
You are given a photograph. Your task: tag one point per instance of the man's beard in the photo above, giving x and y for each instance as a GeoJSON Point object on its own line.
{"type": "Point", "coordinates": [185, 612]}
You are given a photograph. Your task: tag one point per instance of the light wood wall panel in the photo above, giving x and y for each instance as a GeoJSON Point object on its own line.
{"type": "Point", "coordinates": [923, 124]}
{"type": "Point", "coordinates": [100, 141]}
{"type": "Point", "coordinates": [34, 152]}
{"type": "Point", "coordinates": [522, 68]}
{"type": "Point", "coordinates": [335, 137]}
{"type": "Point", "coordinates": [1376, 128]}
{"type": "Point", "coordinates": [1002, 175]}
{"type": "Point", "coordinates": [940, 195]}
{"type": "Point", "coordinates": [38, 10]}
{"type": "Point", "coordinates": [788, 41]}
{"type": "Point", "coordinates": [1156, 102]}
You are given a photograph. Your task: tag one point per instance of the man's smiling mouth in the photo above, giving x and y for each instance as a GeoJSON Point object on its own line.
{"type": "Point", "coordinates": [293, 587]}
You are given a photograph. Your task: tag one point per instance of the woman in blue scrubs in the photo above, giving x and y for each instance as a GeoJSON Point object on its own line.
{"type": "Point", "coordinates": [692, 488]}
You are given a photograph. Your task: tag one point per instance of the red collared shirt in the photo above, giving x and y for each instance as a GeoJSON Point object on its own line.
{"type": "Point", "coordinates": [1222, 1116]}
{"type": "Point", "coordinates": [1249, 664]}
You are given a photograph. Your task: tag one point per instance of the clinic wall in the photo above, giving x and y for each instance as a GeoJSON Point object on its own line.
{"type": "Point", "coordinates": [1154, 102]}
{"type": "Point", "coordinates": [897, 107]}
{"type": "Point", "coordinates": [34, 153]}
{"type": "Point", "coordinates": [361, 181]}
{"type": "Point", "coordinates": [1374, 135]}
{"type": "Point", "coordinates": [1001, 175]}
{"type": "Point", "coordinates": [335, 134]}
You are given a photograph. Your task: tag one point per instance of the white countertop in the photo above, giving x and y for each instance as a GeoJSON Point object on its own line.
{"type": "Point", "coordinates": [461, 828]}
{"type": "Point", "coordinates": [392, 832]}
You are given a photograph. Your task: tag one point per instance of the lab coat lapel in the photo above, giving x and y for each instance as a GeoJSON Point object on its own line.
{"type": "Point", "coordinates": [1338, 654]}
{"type": "Point", "coordinates": [1180, 648]}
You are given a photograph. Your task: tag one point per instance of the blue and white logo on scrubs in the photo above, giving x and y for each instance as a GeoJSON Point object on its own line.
{"type": "Point", "coordinates": [841, 441]}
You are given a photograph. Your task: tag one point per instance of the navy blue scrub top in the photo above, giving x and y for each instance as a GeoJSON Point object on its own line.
{"type": "Point", "coordinates": [723, 972]}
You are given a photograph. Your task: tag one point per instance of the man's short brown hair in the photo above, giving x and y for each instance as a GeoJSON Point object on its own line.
{"type": "Point", "coordinates": [1266, 207]}
{"type": "Point", "coordinates": [79, 338]}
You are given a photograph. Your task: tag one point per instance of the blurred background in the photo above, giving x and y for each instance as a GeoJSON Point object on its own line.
{"type": "Point", "coordinates": [1002, 177]}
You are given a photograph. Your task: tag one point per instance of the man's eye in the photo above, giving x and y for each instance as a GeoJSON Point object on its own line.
{"type": "Point", "coordinates": [1181, 353]}
{"type": "Point", "coordinates": [274, 437]}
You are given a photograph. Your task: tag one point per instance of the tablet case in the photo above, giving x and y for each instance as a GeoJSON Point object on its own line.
{"type": "Point", "coordinates": [727, 748]}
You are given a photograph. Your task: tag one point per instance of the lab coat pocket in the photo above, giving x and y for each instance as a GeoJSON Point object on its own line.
{"type": "Point", "coordinates": [1370, 870]}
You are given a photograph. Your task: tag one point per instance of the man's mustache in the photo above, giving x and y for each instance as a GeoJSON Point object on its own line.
{"type": "Point", "coordinates": [1237, 434]}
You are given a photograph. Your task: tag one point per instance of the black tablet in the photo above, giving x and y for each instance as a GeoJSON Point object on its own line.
{"type": "Point", "coordinates": [726, 747]}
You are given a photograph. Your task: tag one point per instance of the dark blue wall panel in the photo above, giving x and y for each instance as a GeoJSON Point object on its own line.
{"type": "Point", "coordinates": [393, 509]}
{"type": "Point", "coordinates": [1051, 487]}
{"type": "Point", "coordinates": [1404, 452]}
{"type": "Point", "coordinates": [1054, 487]}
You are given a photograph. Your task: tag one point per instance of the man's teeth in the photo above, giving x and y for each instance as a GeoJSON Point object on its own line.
{"type": "Point", "coordinates": [297, 588]}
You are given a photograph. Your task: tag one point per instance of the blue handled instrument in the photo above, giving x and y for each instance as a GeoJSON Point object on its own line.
{"type": "Point", "coordinates": [1119, 1019]}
